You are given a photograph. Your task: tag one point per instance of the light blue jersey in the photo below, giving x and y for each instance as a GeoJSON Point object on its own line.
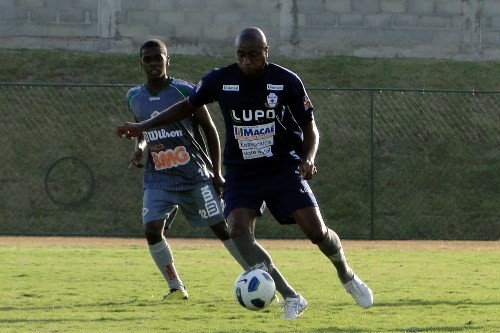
{"type": "Point", "coordinates": [177, 158]}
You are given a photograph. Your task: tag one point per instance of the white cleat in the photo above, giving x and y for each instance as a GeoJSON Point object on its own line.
{"type": "Point", "coordinates": [293, 307]}
{"type": "Point", "coordinates": [359, 291]}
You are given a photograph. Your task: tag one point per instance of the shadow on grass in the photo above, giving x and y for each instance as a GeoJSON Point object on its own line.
{"type": "Point", "coordinates": [439, 329]}
{"type": "Point", "coordinates": [406, 330]}
{"type": "Point", "coordinates": [76, 306]}
{"type": "Point", "coordinates": [422, 302]}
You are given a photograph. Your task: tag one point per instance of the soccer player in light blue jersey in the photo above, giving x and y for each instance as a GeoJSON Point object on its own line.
{"type": "Point", "coordinates": [179, 172]}
{"type": "Point", "coordinates": [269, 153]}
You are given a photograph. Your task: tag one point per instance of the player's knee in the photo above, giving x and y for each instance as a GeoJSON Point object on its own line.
{"type": "Point", "coordinates": [153, 232]}
{"type": "Point", "coordinates": [220, 231]}
{"type": "Point", "coordinates": [236, 233]}
{"type": "Point", "coordinates": [317, 236]}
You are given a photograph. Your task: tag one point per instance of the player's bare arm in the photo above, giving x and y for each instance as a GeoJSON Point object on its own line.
{"type": "Point", "coordinates": [139, 146]}
{"type": "Point", "coordinates": [213, 143]}
{"type": "Point", "coordinates": [175, 113]}
{"type": "Point", "coordinates": [310, 144]}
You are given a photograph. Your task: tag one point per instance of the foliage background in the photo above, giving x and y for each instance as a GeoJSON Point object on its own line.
{"type": "Point", "coordinates": [470, 208]}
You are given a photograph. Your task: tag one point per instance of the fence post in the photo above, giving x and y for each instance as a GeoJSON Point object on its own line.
{"type": "Point", "coordinates": [372, 172]}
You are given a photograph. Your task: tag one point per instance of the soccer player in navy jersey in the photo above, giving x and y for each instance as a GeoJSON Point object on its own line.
{"type": "Point", "coordinates": [179, 172]}
{"type": "Point", "coordinates": [270, 148]}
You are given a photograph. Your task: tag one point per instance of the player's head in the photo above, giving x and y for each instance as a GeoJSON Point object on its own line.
{"type": "Point", "coordinates": [154, 58]}
{"type": "Point", "coordinates": [251, 51]}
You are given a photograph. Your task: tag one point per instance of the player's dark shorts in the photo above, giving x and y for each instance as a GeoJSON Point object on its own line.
{"type": "Point", "coordinates": [283, 192]}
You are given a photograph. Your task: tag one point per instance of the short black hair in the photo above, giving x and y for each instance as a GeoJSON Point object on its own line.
{"type": "Point", "coordinates": [154, 43]}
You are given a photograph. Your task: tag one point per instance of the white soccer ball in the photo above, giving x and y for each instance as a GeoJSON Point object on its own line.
{"type": "Point", "coordinates": [254, 289]}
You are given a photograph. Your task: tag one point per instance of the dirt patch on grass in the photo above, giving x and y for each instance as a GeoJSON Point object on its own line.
{"type": "Point", "coordinates": [23, 241]}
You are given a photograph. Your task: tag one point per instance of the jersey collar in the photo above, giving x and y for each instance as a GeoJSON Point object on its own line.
{"type": "Point", "coordinates": [165, 84]}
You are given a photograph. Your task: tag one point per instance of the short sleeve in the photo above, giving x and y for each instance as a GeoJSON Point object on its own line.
{"type": "Point", "coordinates": [205, 92]}
{"type": "Point", "coordinates": [299, 103]}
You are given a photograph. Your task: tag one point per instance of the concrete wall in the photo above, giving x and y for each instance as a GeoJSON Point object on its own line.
{"type": "Point", "coordinates": [453, 29]}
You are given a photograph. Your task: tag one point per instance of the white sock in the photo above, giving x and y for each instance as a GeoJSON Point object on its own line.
{"type": "Point", "coordinates": [163, 257]}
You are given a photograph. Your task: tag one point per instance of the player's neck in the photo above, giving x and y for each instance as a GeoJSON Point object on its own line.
{"type": "Point", "coordinates": [155, 85]}
{"type": "Point", "coordinates": [256, 75]}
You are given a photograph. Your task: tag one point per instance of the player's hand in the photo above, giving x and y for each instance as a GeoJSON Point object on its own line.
{"type": "Point", "coordinates": [128, 130]}
{"type": "Point", "coordinates": [307, 170]}
{"type": "Point", "coordinates": [137, 158]}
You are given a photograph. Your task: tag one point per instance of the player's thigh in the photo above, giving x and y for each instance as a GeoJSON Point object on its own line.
{"type": "Point", "coordinates": [241, 221]}
{"type": "Point", "coordinates": [311, 223]}
{"type": "Point", "coordinates": [287, 194]}
{"type": "Point", "coordinates": [243, 194]}
{"type": "Point", "coordinates": [201, 206]}
{"type": "Point", "coordinates": [159, 205]}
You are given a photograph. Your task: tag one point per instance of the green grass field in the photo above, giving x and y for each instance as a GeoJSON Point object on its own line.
{"type": "Point", "coordinates": [112, 285]}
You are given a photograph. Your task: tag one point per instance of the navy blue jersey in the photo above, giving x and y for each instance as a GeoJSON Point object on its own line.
{"type": "Point", "coordinates": [177, 159]}
{"type": "Point", "coordinates": [262, 117]}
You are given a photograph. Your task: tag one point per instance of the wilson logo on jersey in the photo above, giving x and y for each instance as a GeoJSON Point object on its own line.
{"type": "Point", "coordinates": [170, 158]}
{"type": "Point", "coordinates": [161, 134]}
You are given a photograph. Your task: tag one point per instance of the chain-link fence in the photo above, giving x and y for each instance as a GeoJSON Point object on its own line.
{"type": "Point", "coordinates": [393, 164]}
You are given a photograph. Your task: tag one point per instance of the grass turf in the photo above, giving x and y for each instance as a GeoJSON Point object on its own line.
{"type": "Point", "coordinates": [108, 285]}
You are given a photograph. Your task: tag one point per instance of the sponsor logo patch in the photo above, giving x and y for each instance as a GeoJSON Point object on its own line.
{"type": "Point", "coordinates": [169, 158]}
{"type": "Point", "coordinates": [161, 134]}
{"type": "Point", "coordinates": [249, 154]}
{"type": "Point", "coordinates": [231, 87]}
{"type": "Point", "coordinates": [244, 144]}
{"type": "Point", "coordinates": [254, 132]}
{"type": "Point", "coordinates": [272, 100]}
{"type": "Point", "coordinates": [276, 87]}
{"type": "Point", "coordinates": [211, 205]}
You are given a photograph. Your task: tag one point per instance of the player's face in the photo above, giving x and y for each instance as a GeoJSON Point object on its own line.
{"type": "Point", "coordinates": [154, 63]}
{"type": "Point", "coordinates": [251, 57]}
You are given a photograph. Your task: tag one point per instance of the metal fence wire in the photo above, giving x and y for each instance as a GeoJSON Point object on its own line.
{"type": "Point", "coordinates": [393, 164]}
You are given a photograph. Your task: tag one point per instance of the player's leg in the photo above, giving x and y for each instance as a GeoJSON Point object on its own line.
{"type": "Point", "coordinates": [157, 213]}
{"type": "Point", "coordinates": [243, 203]}
{"type": "Point", "coordinates": [241, 225]}
{"type": "Point", "coordinates": [221, 231]}
{"type": "Point", "coordinates": [311, 223]}
{"type": "Point", "coordinates": [297, 204]}
{"type": "Point", "coordinates": [202, 207]}
{"type": "Point", "coordinates": [291, 200]}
